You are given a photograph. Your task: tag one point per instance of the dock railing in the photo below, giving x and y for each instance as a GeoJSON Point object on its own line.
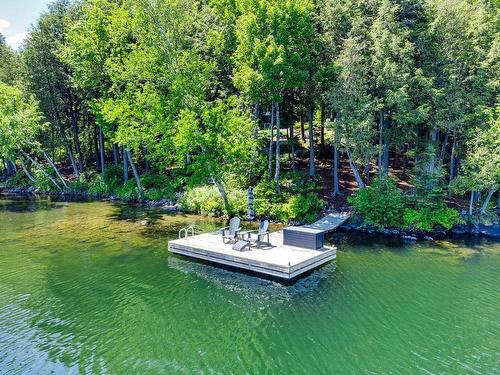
{"type": "Point", "coordinates": [187, 231]}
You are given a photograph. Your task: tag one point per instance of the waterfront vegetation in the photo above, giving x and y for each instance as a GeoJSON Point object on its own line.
{"type": "Point", "coordinates": [390, 103]}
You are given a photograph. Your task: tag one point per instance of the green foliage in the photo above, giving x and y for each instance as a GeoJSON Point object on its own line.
{"type": "Point", "coordinates": [79, 186]}
{"type": "Point", "coordinates": [97, 186]}
{"type": "Point", "coordinates": [297, 201]}
{"type": "Point", "coordinates": [426, 219]}
{"type": "Point", "coordinates": [112, 176]}
{"type": "Point", "coordinates": [43, 183]}
{"type": "Point", "coordinates": [19, 180]}
{"type": "Point", "coordinates": [381, 204]}
{"type": "Point", "coordinates": [128, 191]}
{"type": "Point", "coordinates": [160, 186]}
{"type": "Point", "coordinates": [204, 200]}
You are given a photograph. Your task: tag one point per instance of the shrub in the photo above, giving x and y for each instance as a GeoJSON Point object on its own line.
{"type": "Point", "coordinates": [19, 180]}
{"type": "Point", "coordinates": [128, 191]}
{"type": "Point", "coordinates": [43, 183]}
{"type": "Point", "coordinates": [112, 176]}
{"type": "Point", "coordinates": [159, 186]}
{"type": "Point", "coordinates": [380, 204]}
{"type": "Point", "coordinates": [96, 186]}
{"type": "Point", "coordinates": [204, 200]}
{"type": "Point", "coordinates": [302, 207]}
{"type": "Point", "coordinates": [425, 219]}
{"type": "Point", "coordinates": [238, 201]}
{"type": "Point", "coordinates": [79, 186]}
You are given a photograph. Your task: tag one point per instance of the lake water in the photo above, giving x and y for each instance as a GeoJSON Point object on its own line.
{"type": "Point", "coordinates": [91, 288]}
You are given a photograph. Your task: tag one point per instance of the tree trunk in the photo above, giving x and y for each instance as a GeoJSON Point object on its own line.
{"type": "Point", "coordinates": [292, 145]}
{"type": "Point", "coordinates": [146, 160]}
{"type": "Point", "coordinates": [278, 136]}
{"type": "Point", "coordinates": [322, 136]}
{"type": "Point", "coordinates": [96, 146]}
{"type": "Point", "coordinates": [367, 171]}
{"type": "Point", "coordinates": [271, 139]}
{"type": "Point", "coordinates": [385, 156]}
{"type": "Point", "coordinates": [443, 147]}
{"type": "Point", "coordinates": [223, 194]}
{"type": "Point", "coordinates": [76, 140]}
{"type": "Point", "coordinates": [380, 139]}
{"type": "Point", "coordinates": [69, 151]}
{"type": "Point", "coordinates": [336, 190]}
{"type": "Point", "coordinates": [288, 141]}
{"type": "Point", "coordinates": [452, 165]}
{"type": "Point", "coordinates": [487, 200]}
{"type": "Point", "coordinates": [54, 168]}
{"type": "Point", "coordinates": [432, 160]}
{"type": "Point", "coordinates": [302, 130]}
{"type": "Point", "coordinates": [311, 143]}
{"type": "Point", "coordinates": [25, 170]}
{"type": "Point", "coordinates": [115, 154]}
{"type": "Point", "coordinates": [471, 202]}
{"type": "Point", "coordinates": [355, 171]}
{"type": "Point", "coordinates": [101, 148]}
{"type": "Point", "coordinates": [40, 168]}
{"type": "Point", "coordinates": [136, 175]}
{"type": "Point", "coordinates": [125, 165]}
{"type": "Point", "coordinates": [61, 130]}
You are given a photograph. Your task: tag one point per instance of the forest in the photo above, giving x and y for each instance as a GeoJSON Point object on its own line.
{"type": "Point", "coordinates": [387, 107]}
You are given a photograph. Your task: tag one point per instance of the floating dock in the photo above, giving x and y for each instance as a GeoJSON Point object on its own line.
{"type": "Point", "coordinates": [277, 260]}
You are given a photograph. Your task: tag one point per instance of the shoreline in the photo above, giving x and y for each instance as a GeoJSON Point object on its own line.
{"type": "Point", "coordinates": [409, 236]}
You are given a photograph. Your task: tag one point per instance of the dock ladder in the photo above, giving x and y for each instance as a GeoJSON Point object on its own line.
{"type": "Point", "coordinates": [187, 231]}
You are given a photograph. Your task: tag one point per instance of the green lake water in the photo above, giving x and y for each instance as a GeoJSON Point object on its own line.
{"type": "Point", "coordinates": [90, 288]}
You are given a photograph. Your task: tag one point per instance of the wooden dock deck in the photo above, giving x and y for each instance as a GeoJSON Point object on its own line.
{"type": "Point", "coordinates": [278, 260]}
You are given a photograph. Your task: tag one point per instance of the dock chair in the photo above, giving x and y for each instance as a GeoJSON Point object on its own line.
{"type": "Point", "coordinates": [230, 233]}
{"type": "Point", "coordinates": [257, 237]}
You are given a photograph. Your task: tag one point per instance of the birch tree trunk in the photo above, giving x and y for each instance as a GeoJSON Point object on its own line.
{"type": "Point", "coordinates": [355, 171]}
{"type": "Point", "coordinates": [25, 170]}
{"type": "Point", "coordinates": [471, 202]}
{"type": "Point", "coordinates": [487, 200]}
{"type": "Point", "coordinates": [40, 168]}
{"type": "Point", "coordinates": [54, 168]}
{"type": "Point", "coordinates": [101, 148]}
{"type": "Point", "coordinates": [125, 164]}
{"type": "Point", "coordinates": [278, 134]}
{"type": "Point", "coordinates": [271, 139]}
{"type": "Point", "coordinates": [222, 192]}
{"type": "Point", "coordinates": [311, 144]}
{"type": "Point", "coordinates": [136, 175]}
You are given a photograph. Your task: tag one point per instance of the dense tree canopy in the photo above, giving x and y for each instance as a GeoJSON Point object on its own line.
{"type": "Point", "coordinates": [210, 89]}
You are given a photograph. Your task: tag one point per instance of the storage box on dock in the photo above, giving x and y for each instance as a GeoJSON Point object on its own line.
{"type": "Point", "coordinates": [308, 238]}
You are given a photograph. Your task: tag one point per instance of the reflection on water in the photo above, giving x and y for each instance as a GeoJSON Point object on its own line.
{"type": "Point", "coordinates": [91, 288]}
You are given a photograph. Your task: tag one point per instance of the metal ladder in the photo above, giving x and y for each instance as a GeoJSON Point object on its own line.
{"type": "Point", "coordinates": [186, 232]}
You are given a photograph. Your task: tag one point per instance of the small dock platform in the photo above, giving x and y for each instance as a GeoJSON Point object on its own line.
{"type": "Point", "coordinates": [277, 260]}
{"type": "Point", "coordinates": [330, 222]}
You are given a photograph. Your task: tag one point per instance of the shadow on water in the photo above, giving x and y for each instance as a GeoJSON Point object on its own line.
{"type": "Point", "coordinates": [28, 204]}
{"type": "Point", "coordinates": [250, 284]}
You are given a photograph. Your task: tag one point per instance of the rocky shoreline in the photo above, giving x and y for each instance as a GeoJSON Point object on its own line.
{"type": "Point", "coordinates": [492, 231]}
